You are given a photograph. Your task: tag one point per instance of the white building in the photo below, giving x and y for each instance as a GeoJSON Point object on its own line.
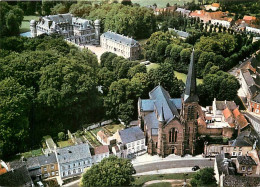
{"type": "Point", "coordinates": [130, 142]}
{"type": "Point", "coordinates": [252, 29]}
{"type": "Point", "coordinates": [224, 23]}
{"type": "Point", "coordinates": [120, 45]}
{"type": "Point", "coordinates": [76, 30]}
{"type": "Point", "coordinates": [100, 153]}
{"type": "Point", "coordinates": [73, 160]}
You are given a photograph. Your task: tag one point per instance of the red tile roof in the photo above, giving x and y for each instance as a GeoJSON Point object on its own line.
{"type": "Point", "coordinates": [102, 135]}
{"type": "Point", "coordinates": [236, 112]}
{"type": "Point", "coordinates": [215, 5]}
{"type": "Point", "coordinates": [249, 18]}
{"type": "Point", "coordinates": [241, 120]}
{"type": "Point", "coordinates": [227, 113]}
{"type": "Point", "coordinates": [101, 149]}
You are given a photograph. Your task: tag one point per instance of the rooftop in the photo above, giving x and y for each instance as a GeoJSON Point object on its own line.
{"type": "Point", "coordinates": [47, 159]}
{"type": "Point", "coordinates": [131, 134]}
{"type": "Point", "coordinates": [246, 160]}
{"type": "Point", "coordinates": [101, 149]}
{"type": "Point", "coordinates": [225, 165]}
{"type": "Point", "coordinates": [120, 38]}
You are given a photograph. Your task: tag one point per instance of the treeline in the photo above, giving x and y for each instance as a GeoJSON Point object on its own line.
{"type": "Point", "coordinates": [45, 88]}
{"type": "Point", "coordinates": [216, 51]}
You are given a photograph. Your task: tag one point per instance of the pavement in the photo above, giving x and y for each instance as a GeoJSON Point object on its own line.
{"type": "Point", "coordinates": [167, 171]}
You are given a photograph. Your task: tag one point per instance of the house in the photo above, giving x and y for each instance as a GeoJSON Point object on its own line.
{"type": "Point", "coordinates": [131, 142]}
{"type": "Point", "coordinates": [245, 165]}
{"type": "Point", "coordinates": [73, 160]}
{"type": "Point", "coordinates": [170, 124]}
{"type": "Point", "coordinates": [100, 153]}
{"type": "Point", "coordinates": [212, 7]}
{"type": "Point", "coordinates": [183, 11]}
{"type": "Point", "coordinates": [34, 168]}
{"type": "Point", "coordinates": [253, 30]}
{"type": "Point", "coordinates": [104, 137]}
{"type": "Point", "coordinates": [49, 165]}
{"type": "Point", "coordinates": [120, 45]}
{"type": "Point", "coordinates": [16, 177]}
{"type": "Point", "coordinates": [181, 34]}
{"type": "Point", "coordinates": [249, 19]}
{"type": "Point", "coordinates": [77, 30]}
{"type": "Point", "coordinates": [255, 121]}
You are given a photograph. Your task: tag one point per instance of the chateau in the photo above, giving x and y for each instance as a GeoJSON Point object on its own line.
{"type": "Point", "coordinates": [76, 30]}
{"type": "Point", "coordinates": [120, 45]}
{"type": "Point", "coordinates": [170, 125]}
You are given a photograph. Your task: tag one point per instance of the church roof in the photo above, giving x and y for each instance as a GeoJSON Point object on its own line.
{"type": "Point", "coordinates": [190, 94]}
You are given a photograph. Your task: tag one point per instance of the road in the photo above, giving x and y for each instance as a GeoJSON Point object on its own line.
{"type": "Point", "coordinates": [174, 164]}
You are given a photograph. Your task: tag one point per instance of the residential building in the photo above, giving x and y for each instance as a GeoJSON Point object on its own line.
{"type": "Point", "coordinates": [105, 138]}
{"type": "Point", "coordinates": [34, 168]}
{"type": "Point", "coordinates": [181, 34]}
{"type": "Point", "coordinates": [77, 30]}
{"type": "Point", "coordinates": [253, 30]}
{"type": "Point", "coordinates": [245, 165]}
{"type": "Point", "coordinates": [120, 45]}
{"type": "Point", "coordinates": [100, 153]}
{"type": "Point", "coordinates": [249, 19]}
{"type": "Point", "coordinates": [170, 125]}
{"type": "Point", "coordinates": [130, 142]}
{"type": "Point", "coordinates": [183, 11]}
{"type": "Point", "coordinates": [255, 121]}
{"type": "Point", "coordinates": [49, 165]}
{"type": "Point", "coordinates": [73, 160]}
{"type": "Point", "coordinates": [212, 7]}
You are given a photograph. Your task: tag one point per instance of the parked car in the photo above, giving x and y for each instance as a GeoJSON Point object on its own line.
{"type": "Point", "coordinates": [195, 168]}
{"type": "Point", "coordinates": [39, 183]}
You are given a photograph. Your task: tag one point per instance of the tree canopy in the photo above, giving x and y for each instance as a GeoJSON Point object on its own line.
{"type": "Point", "coordinates": [204, 177]}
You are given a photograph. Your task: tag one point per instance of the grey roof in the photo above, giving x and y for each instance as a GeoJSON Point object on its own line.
{"type": "Point", "coordinates": [241, 181]}
{"type": "Point", "coordinates": [180, 33]}
{"type": "Point", "coordinates": [73, 153]}
{"type": "Point", "coordinates": [183, 11]}
{"type": "Point", "coordinates": [146, 105]}
{"type": "Point", "coordinates": [248, 78]}
{"type": "Point", "coordinates": [247, 138]}
{"type": "Point", "coordinates": [222, 105]}
{"type": "Point", "coordinates": [120, 38]}
{"type": "Point", "coordinates": [246, 160]}
{"type": "Point", "coordinates": [253, 89]}
{"type": "Point", "coordinates": [225, 165]}
{"type": "Point", "coordinates": [152, 123]}
{"type": "Point", "coordinates": [17, 177]}
{"type": "Point", "coordinates": [257, 98]}
{"type": "Point", "coordinates": [32, 163]}
{"type": "Point", "coordinates": [131, 134]}
{"type": "Point", "coordinates": [190, 94]}
{"type": "Point", "coordinates": [47, 159]}
{"type": "Point", "coordinates": [177, 103]}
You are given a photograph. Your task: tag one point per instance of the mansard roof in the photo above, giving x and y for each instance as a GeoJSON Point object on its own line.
{"type": "Point", "coordinates": [190, 94]}
{"type": "Point", "coordinates": [120, 38]}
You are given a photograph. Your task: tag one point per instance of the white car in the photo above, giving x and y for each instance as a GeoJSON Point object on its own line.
{"type": "Point", "coordinates": [39, 183]}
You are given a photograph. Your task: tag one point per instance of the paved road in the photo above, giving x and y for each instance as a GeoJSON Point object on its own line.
{"type": "Point", "coordinates": [174, 164]}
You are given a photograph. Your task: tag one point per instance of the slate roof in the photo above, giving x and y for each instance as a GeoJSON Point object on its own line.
{"type": "Point", "coordinates": [177, 103]}
{"type": "Point", "coordinates": [257, 98]}
{"type": "Point", "coordinates": [248, 78]}
{"type": "Point", "coordinates": [120, 38]}
{"type": "Point", "coordinates": [246, 138]}
{"type": "Point", "coordinates": [246, 160]}
{"type": "Point", "coordinates": [32, 163]}
{"type": "Point", "coordinates": [190, 94]}
{"type": "Point", "coordinates": [253, 89]}
{"type": "Point", "coordinates": [17, 177]}
{"type": "Point", "coordinates": [180, 33]}
{"type": "Point", "coordinates": [152, 123]}
{"type": "Point", "coordinates": [47, 159]}
{"type": "Point", "coordinates": [241, 181]}
{"type": "Point", "coordinates": [73, 153]}
{"type": "Point", "coordinates": [131, 134]}
{"type": "Point", "coordinates": [225, 165]}
{"type": "Point", "coordinates": [221, 105]}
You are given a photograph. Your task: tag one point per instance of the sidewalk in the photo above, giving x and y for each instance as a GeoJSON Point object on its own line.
{"type": "Point", "coordinates": [146, 158]}
{"type": "Point", "coordinates": [167, 171]}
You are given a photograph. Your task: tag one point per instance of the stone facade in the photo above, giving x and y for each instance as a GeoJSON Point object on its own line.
{"type": "Point", "coordinates": [76, 30]}
{"type": "Point", "coordinates": [120, 45]}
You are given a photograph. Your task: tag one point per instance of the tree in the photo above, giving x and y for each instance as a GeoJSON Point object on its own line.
{"type": "Point", "coordinates": [59, 9]}
{"type": "Point", "coordinates": [185, 56]}
{"type": "Point", "coordinates": [110, 171]}
{"type": "Point", "coordinates": [204, 177]}
{"type": "Point", "coordinates": [61, 135]}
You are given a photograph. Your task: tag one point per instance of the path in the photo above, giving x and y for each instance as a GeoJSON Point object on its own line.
{"type": "Point", "coordinates": [173, 182]}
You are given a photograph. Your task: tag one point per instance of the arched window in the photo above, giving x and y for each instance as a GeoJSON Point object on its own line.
{"type": "Point", "coordinates": [173, 135]}
{"type": "Point", "coordinates": [191, 110]}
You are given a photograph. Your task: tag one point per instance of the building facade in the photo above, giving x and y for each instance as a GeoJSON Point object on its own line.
{"type": "Point", "coordinates": [170, 125]}
{"type": "Point", "coordinates": [120, 45]}
{"type": "Point", "coordinates": [100, 153]}
{"type": "Point", "coordinates": [73, 160]}
{"type": "Point", "coordinates": [49, 165]}
{"type": "Point", "coordinates": [76, 30]}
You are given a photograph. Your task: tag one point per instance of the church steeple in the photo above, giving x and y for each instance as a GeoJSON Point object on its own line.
{"type": "Point", "coordinates": [190, 94]}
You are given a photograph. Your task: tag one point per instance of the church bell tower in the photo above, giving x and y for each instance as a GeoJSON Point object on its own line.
{"type": "Point", "coordinates": [189, 112]}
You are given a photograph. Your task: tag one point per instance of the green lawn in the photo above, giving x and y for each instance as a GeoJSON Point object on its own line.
{"type": "Point", "coordinates": [92, 139]}
{"type": "Point", "coordinates": [114, 127]}
{"type": "Point", "coordinates": [35, 152]}
{"type": "Point", "coordinates": [161, 3]}
{"type": "Point", "coordinates": [95, 131]}
{"type": "Point", "coordinates": [25, 27]}
{"type": "Point", "coordinates": [140, 180]}
{"type": "Point", "coordinates": [161, 184]}
{"type": "Point", "coordinates": [152, 66]}
{"type": "Point", "coordinates": [66, 143]}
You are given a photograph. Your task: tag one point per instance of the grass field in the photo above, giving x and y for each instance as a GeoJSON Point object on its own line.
{"type": "Point", "coordinates": [161, 3]}
{"type": "Point", "coordinates": [65, 143]}
{"type": "Point", "coordinates": [92, 139]}
{"type": "Point", "coordinates": [25, 27]}
{"type": "Point", "coordinates": [140, 180]}
{"type": "Point", "coordinates": [161, 184]}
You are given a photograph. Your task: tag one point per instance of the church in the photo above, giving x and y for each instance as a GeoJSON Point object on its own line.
{"type": "Point", "coordinates": [170, 124]}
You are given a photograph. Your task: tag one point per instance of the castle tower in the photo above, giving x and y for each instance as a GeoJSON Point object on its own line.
{"type": "Point", "coordinates": [97, 30]}
{"type": "Point", "coordinates": [189, 112]}
{"type": "Point", "coordinates": [160, 146]}
{"type": "Point", "coordinates": [33, 28]}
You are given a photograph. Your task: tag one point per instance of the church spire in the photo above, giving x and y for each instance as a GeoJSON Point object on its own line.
{"type": "Point", "coordinates": [190, 94]}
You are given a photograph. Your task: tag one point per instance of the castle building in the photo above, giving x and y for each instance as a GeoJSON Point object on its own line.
{"type": "Point", "coordinates": [170, 124]}
{"type": "Point", "coordinates": [76, 30]}
{"type": "Point", "coordinates": [120, 45]}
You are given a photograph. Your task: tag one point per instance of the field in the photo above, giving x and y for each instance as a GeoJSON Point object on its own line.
{"type": "Point", "coordinates": [25, 27]}
{"type": "Point", "coordinates": [35, 152]}
{"type": "Point", "coordinates": [161, 3]}
{"type": "Point", "coordinates": [66, 143]}
{"type": "Point", "coordinates": [92, 139]}
{"type": "Point", "coordinates": [140, 180]}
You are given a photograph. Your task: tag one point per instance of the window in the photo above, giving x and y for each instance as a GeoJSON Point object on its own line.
{"type": "Point", "coordinates": [53, 173]}
{"type": "Point", "coordinates": [243, 168]}
{"type": "Point", "coordinates": [138, 142]}
{"type": "Point", "coordinates": [45, 175]}
{"type": "Point", "coordinates": [63, 167]}
{"type": "Point", "coordinates": [235, 148]}
{"type": "Point", "coordinates": [69, 173]}
{"type": "Point", "coordinates": [234, 154]}
{"type": "Point", "coordinates": [240, 148]}
{"type": "Point", "coordinates": [142, 141]}
{"type": "Point", "coordinates": [57, 173]}
{"type": "Point", "coordinates": [240, 154]}
{"type": "Point", "coordinates": [79, 170]}
{"type": "Point", "coordinates": [156, 145]}
{"type": "Point", "coordinates": [52, 166]}
{"type": "Point", "coordinates": [45, 169]}
{"type": "Point", "coordinates": [249, 168]}
{"type": "Point", "coordinates": [173, 135]}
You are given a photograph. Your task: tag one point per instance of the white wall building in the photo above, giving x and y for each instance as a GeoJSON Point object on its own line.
{"type": "Point", "coordinates": [224, 23]}
{"type": "Point", "coordinates": [73, 160]}
{"type": "Point", "coordinates": [100, 153]}
{"type": "Point", "coordinates": [120, 45]}
{"type": "Point", "coordinates": [252, 29]}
